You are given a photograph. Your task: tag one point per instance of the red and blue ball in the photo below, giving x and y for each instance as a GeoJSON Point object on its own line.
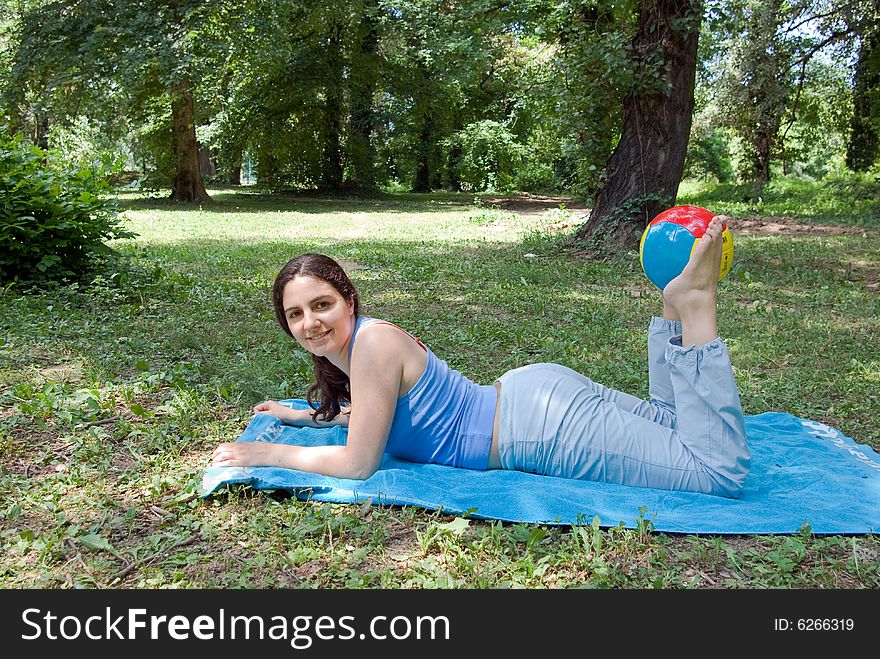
{"type": "Point", "coordinates": [669, 239]}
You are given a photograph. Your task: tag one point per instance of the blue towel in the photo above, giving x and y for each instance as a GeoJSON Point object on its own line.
{"type": "Point", "coordinates": [803, 473]}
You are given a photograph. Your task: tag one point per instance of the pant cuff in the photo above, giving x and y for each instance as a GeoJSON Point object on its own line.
{"type": "Point", "coordinates": [664, 326]}
{"type": "Point", "coordinates": [674, 347]}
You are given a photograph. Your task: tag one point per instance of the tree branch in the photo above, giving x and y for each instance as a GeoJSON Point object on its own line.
{"type": "Point", "coordinates": [834, 36]}
{"type": "Point", "coordinates": [810, 18]}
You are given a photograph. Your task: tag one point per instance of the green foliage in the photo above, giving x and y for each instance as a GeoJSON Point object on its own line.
{"type": "Point", "coordinates": [779, 76]}
{"type": "Point", "coordinates": [581, 89]}
{"type": "Point", "coordinates": [757, 85]}
{"type": "Point", "coordinates": [839, 198]}
{"type": "Point", "coordinates": [863, 145]}
{"type": "Point", "coordinates": [487, 156]}
{"type": "Point", "coordinates": [54, 222]}
{"type": "Point", "coordinates": [151, 147]}
{"type": "Point", "coordinates": [708, 157]}
{"type": "Point", "coordinates": [535, 177]}
{"type": "Point", "coordinates": [396, 93]}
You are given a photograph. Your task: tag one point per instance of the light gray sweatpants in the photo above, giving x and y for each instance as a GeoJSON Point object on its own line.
{"type": "Point", "coordinates": [690, 434]}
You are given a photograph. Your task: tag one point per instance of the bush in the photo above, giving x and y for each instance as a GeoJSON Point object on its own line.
{"type": "Point", "coordinates": [487, 154]}
{"type": "Point", "coordinates": [53, 221]}
{"type": "Point", "coordinates": [535, 177]}
{"type": "Point", "coordinates": [708, 157]}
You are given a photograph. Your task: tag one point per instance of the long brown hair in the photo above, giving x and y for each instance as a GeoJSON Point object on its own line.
{"type": "Point", "coordinates": [331, 382]}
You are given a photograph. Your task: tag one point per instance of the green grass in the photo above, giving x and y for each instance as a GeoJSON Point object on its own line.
{"type": "Point", "coordinates": [852, 200]}
{"type": "Point", "coordinates": [114, 392]}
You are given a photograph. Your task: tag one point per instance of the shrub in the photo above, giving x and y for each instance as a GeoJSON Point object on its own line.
{"type": "Point", "coordinates": [535, 177]}
{"type": "Point", "coordinates": [487, 156]}
{"type": "Point", "coordinates": [708, 157]}
{"type": "Point", "coordinates": [53, 221]}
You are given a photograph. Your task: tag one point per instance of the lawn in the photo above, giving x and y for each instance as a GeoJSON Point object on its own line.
{"type": "Point", "coordinates": [114, 391]}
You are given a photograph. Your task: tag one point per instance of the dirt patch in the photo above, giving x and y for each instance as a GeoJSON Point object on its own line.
{"type": "Point", "coordinates": [70, 372]}
{"type": "Point", "coordinates": [28, 452]}
{"type": "Point", "coordinates": [529, 204]}
{"type": "Point", "coordinates": [791, 226]}
{"type": "Point", "coordinates": [351, 266]}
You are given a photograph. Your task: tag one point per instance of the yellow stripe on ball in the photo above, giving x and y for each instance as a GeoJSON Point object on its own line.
{"type": "Point", "coordinates": [726, 252]}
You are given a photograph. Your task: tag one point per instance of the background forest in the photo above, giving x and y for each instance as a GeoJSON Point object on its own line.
{"type": "Point", "coordinates": [420, 95]}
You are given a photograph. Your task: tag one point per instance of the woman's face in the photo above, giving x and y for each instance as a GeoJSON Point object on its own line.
{"type": "Point", "coordinates": [320, 319]}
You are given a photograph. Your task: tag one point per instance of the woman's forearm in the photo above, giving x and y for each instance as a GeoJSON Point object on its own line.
{"type": "Point", "coordinates": [337, 461]}
{"type": "Point", "coordinates": [304, 418]}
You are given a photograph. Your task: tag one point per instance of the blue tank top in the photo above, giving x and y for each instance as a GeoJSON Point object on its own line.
{"type": "Point", "coordinates": [444, 419]}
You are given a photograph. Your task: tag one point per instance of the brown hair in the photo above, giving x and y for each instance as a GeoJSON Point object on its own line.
{"type": "Point", "coordinates": [331, 382]}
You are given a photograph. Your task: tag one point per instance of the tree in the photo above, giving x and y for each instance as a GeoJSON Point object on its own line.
{"type": "Point", "coordinates": [301, 93]}
{"type": "Point", "coordinates": [334, 107]}
{"type": "Point", "coordinates": [760, 87]}
{"type": "Point", "coordinates": [773, 91]}
{"type": "Point", "coordinates": [449, 66]}
{"type": "Point", "coordinates": [149, 48]}
{"type": "Point", "coordinates": [188, 184]}
{"type": "Point", "coordinates": [365, 71]}
{"type": "Point", "coordinates": [644, 171]}
{"type": "Point", "coordinates": [863, 144]}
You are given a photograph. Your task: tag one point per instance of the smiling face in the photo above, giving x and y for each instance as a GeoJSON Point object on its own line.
{"type": "Point", "coordinates": [319, 317]}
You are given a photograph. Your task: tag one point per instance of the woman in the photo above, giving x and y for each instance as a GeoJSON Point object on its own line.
{"type": "Point", "coordinates": [541, 418]}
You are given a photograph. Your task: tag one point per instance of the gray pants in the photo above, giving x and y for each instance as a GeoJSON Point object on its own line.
{"type": "Point", "coordinates": [689, 436]}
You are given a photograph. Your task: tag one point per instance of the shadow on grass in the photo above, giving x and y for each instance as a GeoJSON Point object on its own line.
{"type": "Point", "coordinates": [247, 200]}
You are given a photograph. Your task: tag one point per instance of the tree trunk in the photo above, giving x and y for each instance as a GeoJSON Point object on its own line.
{"type": "Point", "coordinates": [188, 184]}
{"type": "Point", "coordinates": [363, 80]}
{"type": "Point", "coordinates": [645, 169]}
{"type": "Point", "coordinates": [862, 145]}
{"type": "Point", "coordinates": [762, 156]}
{"type": "Point", "coordinates": [331, 162]}
{"type": "Point", "coordinates": [765, 85]}
{"type": "Point", "coordinates": [427, 175]}
{"type": "Point", "coordinates": [42, 131]}
{"type": "Point", "coordinates": [424, 168]}
{"type": "Point", "coordinates": [453, 180]}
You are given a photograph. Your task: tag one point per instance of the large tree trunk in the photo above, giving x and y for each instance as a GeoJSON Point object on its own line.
{"type": "Point", "coordinates": [331, 163]}
{"type": "Point", "coordinates": [645, 169]}
{"type": "Point", "coordinates": [363, 80]}
{"type": "Point", "coordinates": [453, 180]}
{"type": "Point", "coordinates": [425, 165]}
{"type": "Point", "coordinates": [862, 145]}
{"type": "Point", "coordinates": [188, 184]}
{"type": "Point", "coordinates": [427, 174]}
{"type": "Point", "coordinates": [762, 155]}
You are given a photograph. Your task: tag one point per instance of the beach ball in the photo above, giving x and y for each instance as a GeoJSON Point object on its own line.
{"type": "Point", "coordinates": [669, 239]}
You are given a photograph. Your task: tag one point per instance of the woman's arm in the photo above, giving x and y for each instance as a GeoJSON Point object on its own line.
{"type": "Point", "coordinates": [294, 417]}
{"type": "Point", "coordinates": [376, 369]}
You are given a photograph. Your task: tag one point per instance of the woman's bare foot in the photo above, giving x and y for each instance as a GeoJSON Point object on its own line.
{"type": "Point", "coordinates": [692, 295]}
{"type": "Point", "coordinates": [669, 312]}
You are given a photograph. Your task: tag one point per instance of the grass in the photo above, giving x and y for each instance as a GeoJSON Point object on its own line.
{"type": "Point", "coordinates": [114, 392]}
{"type": "Point", "coordinates": [851, 199]}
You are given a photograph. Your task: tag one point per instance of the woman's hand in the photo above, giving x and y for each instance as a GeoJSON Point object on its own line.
{"type": "Point", "coordinates": [243, 454]}
{"type": "Point", "coordinates": [282, 412]}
